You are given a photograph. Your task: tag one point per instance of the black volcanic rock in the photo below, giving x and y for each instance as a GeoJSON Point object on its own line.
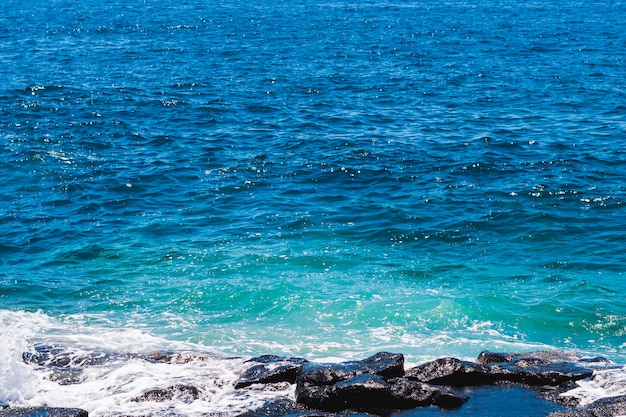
{"type": "Point", "coordinates": [376, 383]}
{"type": "Point", "coordinates": [363, 391]}
{"type": "Point", "coordinates": [605, 407]}
{"type": "Point", "coordinates": [374, 392]}
{"type": "Point", "coordinates": [184, 393]}
{"type": "Point", "coordinates": [42, 412]}
{"type": "Point", "coordinates": [287, 408]}
{"type": "Point", "coordinates": [456, 373]}
{"type": "Point", "coordinates": [533, 369]}
{"type": "Point", "coordinates": [540, 368]}
{"type": "Point", "coordinates": [410, 394]}
{"type": "Point", "coordinates": [59, 357]}
{"type": "Point", "coordinates": [176, 357]}
{"type": "Point", "coordinates": [385, 364]}
{"type": "Point", "coordinates": [65, 366]}
{"type": "Point", "coordinates": [271, 369]}
{"type": "Point", "coordinates": [536, 358]}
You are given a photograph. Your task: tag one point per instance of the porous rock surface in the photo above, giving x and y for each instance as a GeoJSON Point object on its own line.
{"type": "Point", "coordinates": [268, 369]}
{"type": "Point", "coordinates": [183, 393]}
{"type": "Point", "coordinates": [380, 384]}
{"type": "Point", "coordinates": [533, 369]}
{"type": "Point", "coordinates": [42, 412]}
{"type": "Point", "coordinates": [606, 407]}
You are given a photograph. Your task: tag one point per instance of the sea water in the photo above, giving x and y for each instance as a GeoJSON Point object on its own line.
{"type": "Point", "coordinates": [315, 179]}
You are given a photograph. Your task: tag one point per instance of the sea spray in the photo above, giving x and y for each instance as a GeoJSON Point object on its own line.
{"type": "Point", "coordinates": [47, 362]}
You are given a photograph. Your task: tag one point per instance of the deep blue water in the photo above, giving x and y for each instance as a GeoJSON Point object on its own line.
{"type": "Point", "coordinates": [318, 178]}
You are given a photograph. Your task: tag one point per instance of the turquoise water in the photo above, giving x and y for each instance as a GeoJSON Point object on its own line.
{"type": "Point", "coordinates": [318, 179]}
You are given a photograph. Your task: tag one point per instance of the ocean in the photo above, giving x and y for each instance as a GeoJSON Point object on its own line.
{"type": "Point", "coordinates": [304, 178]}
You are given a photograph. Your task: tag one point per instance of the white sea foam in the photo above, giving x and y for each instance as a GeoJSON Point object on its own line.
{"type": "Point", "coordinates": [103, 369]}
{"type": "Point", "coordinates": [418, 348]}
{"type": "Point", "coordinates": [16, 378]}
{"type": "Point", "coordinates": [108, 387]}
{"type": "Point", "coordinates": [604, 383]}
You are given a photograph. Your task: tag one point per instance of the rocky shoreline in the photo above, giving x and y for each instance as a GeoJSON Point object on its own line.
{"type": "Point", "coordinates": [381, 386]}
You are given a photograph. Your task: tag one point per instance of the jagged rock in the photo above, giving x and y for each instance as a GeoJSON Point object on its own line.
{"type": "Point", "coordinates": [388, 365]}
{"type": "Point", "coordinates": [410, 394]}
{"type": "Point", "coordinates": [486, 357]}
{"type": "Point", "coordinates": [373, 392]}
{"type": "Point", "coordinates": [455, 372]}
{"type": "Point", "coordinates": [541, 368]}
{"type": "Point", "coordinates": [552, 374]}
{"type": "Point", "coordinates": [533, 369]}
{"type": "Point", "coordinates": [59, 356]}
{"type": "Point", "coordinates": [42, 412]}
{"type": "Point", "coordinates": [375, 383]}
{"type": "Point", "coordinates": [378, 384]}
{"type": "Point", "coordinates": [67, 376]}
{"type": "Point", "coordinates": [363, 391]}
{"type": "Point", "coordinates": [56, 356]}
{"type": "Point", "coordinates": [287, 408]}
{"type": "Point", "coordinates": [271, 369]}
{"type": "Point", "coordinates": [66, 366]}
{"type": "Point", "coordinates": [606, 407]}
{"type": "Point", "coordinates": [536, 357]}
{"type": "Point", "coordinates": [184, 393]}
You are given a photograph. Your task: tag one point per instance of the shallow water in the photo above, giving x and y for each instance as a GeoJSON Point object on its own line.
{"type": "Point", "coordinates": [316, 179]}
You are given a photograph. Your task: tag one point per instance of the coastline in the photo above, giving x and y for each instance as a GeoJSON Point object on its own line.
{"type": "Point", "coordinates": [539, 383]}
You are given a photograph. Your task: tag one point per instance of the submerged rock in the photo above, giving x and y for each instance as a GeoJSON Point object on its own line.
{"type": "Point", "coordinates": [184, 393]}
{"type": "Point", "coordinates": [60, 357]}
{"type": "Point", "coordinates": [176, 357]}
{"type": "Point", "coordinates": [284, 408]}
{"type": "Point", "coordinates": [66, 366]}
{"type": "Point", "coordinates": [271, 369]}
{"type": "Point", "coordinates": [605, 407]}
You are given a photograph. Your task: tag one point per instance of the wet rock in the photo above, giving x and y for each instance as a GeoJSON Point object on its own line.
{"type": "Point", "coordinates": [410, 394]}
{"type": "Point", "coordinates": [176, 357]}
{"type": "Point", "coordinates": [533, 369]}
{"type": "Point", "coordinates": [551, 374]}
{"type": "Point", "coordinates": [388, 365]}
{"type": "Point", "coordinates": [67, 375]}
{"type": "Point", "coordinates": [536, 357]}
{"type": "Point", "coordinates": [363, 392]}
{"type": "Point", "coordinates": [541, 368]}
{"type": "Point", "coordinates": [456, 373]}
{"type": "Point", "coordinates": [606, 407]}
{"type": "Point", "coordinates": [486, 357]}
{"type": "Point", "coordinates": [287, 408]}
{"type": "Point", "coordinates": [66, 366]}
{"type": "Point", "coordinates": [374, 384]}
{"type": "Point", "coordinates": [57, 356]}
{"type": "Point", "coordinates": [42, 412]}
{"type": "Point", "coordinates": [184, 393]}
{"type": "Point", "coordinates": [269, 369]}
{"type": "Point", "coordinates": [374, 393]}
